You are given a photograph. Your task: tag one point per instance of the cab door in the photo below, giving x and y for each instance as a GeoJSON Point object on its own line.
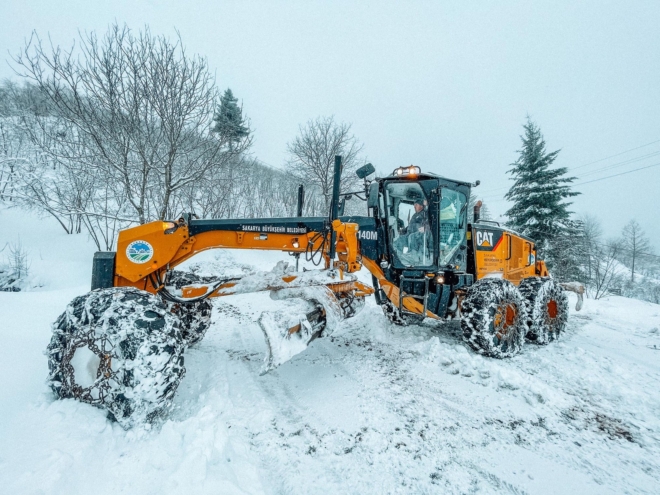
{"type": "Point", "coordinates": [519, 258]}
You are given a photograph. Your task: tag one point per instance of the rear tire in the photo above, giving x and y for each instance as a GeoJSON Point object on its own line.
{"type": "Point", "coordinates": [493, 318]}
{"type": "Point", "coordinates": [119, 349]}
{"type": "Point", "coordinates": [547, 309]}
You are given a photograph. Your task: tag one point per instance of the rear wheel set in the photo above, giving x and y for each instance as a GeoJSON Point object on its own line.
{"type": "Point", "coordinates": [496, 317]}
{"type": "Point", "coordinates": [547, 309]}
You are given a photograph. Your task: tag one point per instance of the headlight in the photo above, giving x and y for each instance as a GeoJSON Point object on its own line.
{"type": "Point", "coordinates": [408, 171]}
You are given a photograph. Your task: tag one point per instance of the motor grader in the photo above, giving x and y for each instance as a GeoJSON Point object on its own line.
{"type": "Point", "coordinates": [121, 346]}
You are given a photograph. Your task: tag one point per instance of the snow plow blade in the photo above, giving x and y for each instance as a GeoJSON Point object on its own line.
{"type": "Point", "coordinates": [308, 313]}
{"type": "Point", "coordinates": [578, 288]}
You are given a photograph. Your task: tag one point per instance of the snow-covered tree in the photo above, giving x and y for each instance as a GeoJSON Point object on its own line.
{"type": "Point", "coordinates": [566, 252]}
{"type": "Point", "coordinates": [607, 269]}
{"type": "Point", "coordinates": [140, 109]}
{"type": "Point", "coordinates": [591, 235]}
{"type": "Point", "coordinates": [539, 193]}
{"type": "Point", "coordinates": [312, 156]}
{"type": "Point", "coordinates": [485, 212]}
{"type": "Point", "coordinates": [228, 120]}
{"type": "Point", "coordinates": [636, 245]}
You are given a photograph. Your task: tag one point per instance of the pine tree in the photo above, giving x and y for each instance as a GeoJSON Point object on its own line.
{"type": "Point", "coordinates": [470, 213]}
{"type": "Point", "coordinates": [485, 212]}
{"type": "Point", "coordinates": [228, 120]}
{"type": "Point", "coordinates": [539, 208]}
{"type": "Point", "coordinates": [566, 252]}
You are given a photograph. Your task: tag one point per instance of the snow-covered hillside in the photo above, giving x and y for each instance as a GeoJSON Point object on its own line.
{"type": "Point", "coordinates": [372, 409]}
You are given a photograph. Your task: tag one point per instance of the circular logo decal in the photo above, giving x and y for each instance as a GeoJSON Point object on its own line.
{"type": "Point", "coordinates": [139, 251]}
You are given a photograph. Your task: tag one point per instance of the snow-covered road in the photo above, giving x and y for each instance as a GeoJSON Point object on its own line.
{"type": "Point", "coordinates": [372, 409]}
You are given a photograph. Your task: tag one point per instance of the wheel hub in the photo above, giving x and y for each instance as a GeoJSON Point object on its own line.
{"type": "Point", "coordinates": [503, 321]}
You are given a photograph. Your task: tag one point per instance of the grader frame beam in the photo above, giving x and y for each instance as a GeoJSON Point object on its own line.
{"type": "Point", "coordinates": [169, 244]}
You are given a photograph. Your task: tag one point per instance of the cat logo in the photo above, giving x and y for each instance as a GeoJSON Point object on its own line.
{"type": "Point", "coordinates": [484, 238]}
{"type": "Point", "coordinates": [487, 240]}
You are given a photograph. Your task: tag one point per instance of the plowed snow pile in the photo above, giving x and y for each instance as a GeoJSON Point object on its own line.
{"type": "Point", "coordinates": [373, 409]}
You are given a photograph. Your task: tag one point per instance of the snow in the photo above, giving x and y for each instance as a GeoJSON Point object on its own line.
{"type": "Point", "coordinates": [372, 409]}
{"type": "Point", "coordinates": [85, 363]}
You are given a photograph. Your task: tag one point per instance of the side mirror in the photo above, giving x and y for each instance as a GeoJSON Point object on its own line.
{"type": "Point", "coordinates": [365, 171]}
{"type": "Point", "coordinates": [372, 200]}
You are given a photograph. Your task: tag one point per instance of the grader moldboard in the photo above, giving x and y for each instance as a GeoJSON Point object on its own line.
{"type": "Point", "coordinates": [120, 347]}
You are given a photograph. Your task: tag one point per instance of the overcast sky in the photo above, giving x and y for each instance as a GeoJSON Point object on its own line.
{"type": "Point", "coordinates": [442, 85]}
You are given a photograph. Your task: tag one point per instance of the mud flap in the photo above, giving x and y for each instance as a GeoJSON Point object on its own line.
{"type": "Point", "coordinates": [578, 288]}
{"type": "Point", "coordinates": [307, 313]}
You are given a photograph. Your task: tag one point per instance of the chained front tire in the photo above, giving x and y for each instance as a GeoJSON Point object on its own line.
{"type": "Point", "coordinates": [194, 317]}
{"type": "Point", "coordinates": [493, 318]}
{"type": "Point", "coordinates": [119, 349]}
{"type": "Point", "coordinates": [398, 318]}
{"type": "Point", "coordinates": [547, 309]}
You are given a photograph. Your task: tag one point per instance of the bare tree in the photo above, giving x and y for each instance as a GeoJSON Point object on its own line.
{"type": "Point", "coordinates": [635, 244]}
{"type": "Point", "coordinates": [254, 191]}
{"type": "Point", "coordinates": [607, 270]}
{"type": "Point", "coordinates": [14, 144]}
{"type": "Point", "coordinates": [17, 260]}
{"type": "Point", "coordinates": [11, 148]}
{"type": "Point", "coordinates": [141, 106]}
{"type": "Point", "coordinates": [312, 155]}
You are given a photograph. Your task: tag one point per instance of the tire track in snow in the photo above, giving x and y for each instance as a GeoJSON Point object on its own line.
{"type": "Point", "coordinates": [288, 416]}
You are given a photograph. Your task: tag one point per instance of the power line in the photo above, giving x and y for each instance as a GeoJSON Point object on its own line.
{"type": "Point", "coordinates": [491, 197]}
{"type": "Point", "coordinates": [618, 154]}
{"type": "Point", "coordinates": [618, 164]}
{"type": "Point", "coordinates": [591, 172]}
{"type": "Point", "coordinates": [616, 175]}
{"type": "Point", "coordinates": [607, 167]}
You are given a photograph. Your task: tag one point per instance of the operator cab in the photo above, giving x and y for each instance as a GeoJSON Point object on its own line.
{"type": "Point", "coordinates": [421, 221]}
{"type": "Point", "coordinates": [425, 218]}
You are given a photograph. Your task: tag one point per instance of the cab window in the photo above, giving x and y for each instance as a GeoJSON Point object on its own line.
{"type": "Point", "coordinates": [409, 224]}
{"type": "Point", "coordinates": [453, 205]}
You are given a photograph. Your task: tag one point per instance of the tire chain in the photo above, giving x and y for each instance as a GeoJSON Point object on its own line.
{"type": "Point", "coordinates": [69, 386]}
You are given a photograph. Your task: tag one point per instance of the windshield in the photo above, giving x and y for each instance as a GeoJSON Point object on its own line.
{"type": "Point", "coordinates": [452, 223]}
{"type": "Point", "coordinates": [408, 223]}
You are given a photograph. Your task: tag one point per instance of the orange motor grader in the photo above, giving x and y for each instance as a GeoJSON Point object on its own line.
{"type": "Point", "coordinates": [121, 346]}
